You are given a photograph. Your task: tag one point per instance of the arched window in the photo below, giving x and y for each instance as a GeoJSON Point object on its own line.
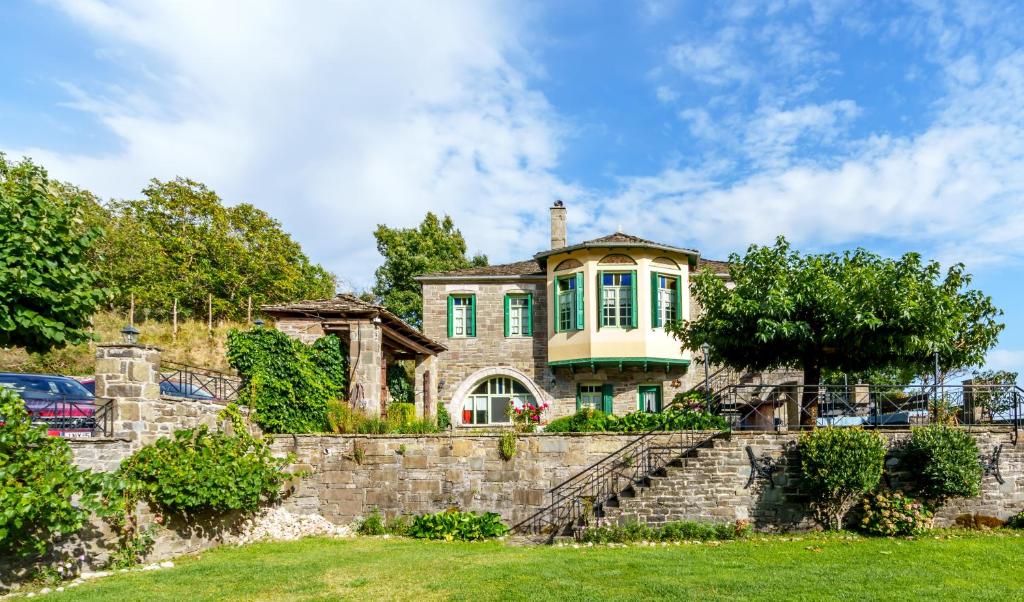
{"type": "Point", "coordinates": [489, 401]}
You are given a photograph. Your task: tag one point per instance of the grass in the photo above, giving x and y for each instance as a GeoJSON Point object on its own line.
{"type": "Point", "coordinates": [193, 345]}
{"type": "Point", "coordinates": [813, 567]}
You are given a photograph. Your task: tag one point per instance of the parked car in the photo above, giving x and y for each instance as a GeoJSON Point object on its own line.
{"type": "Point", "coordinates": [62, 404]}
{"type": "Point", "coordinates": [186, 390]}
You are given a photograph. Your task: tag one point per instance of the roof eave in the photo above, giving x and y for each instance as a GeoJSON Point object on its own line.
{"type": "Point", "coordinates": [469, 278]}
{"type": "Point", "coordinates": [615, 245]}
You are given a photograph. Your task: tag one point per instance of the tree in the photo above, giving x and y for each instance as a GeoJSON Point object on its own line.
{"type": "Point", "coordinates": [179, 242]}
{"type": "Point", "coordinates": [435, 246]}
{"type": "Point", "coordinates": [851, 313]}
{"type": "Point", "coordinates": [48, 286]}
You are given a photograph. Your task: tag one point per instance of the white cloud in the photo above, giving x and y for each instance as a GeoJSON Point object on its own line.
{"type": "Point", "coordinates": [333, 116]}
{"type": "Point", "coordinates": [1006, 359]}
{"type": "Point", "coordinates": [717, 62]}
{"type": "Point", "coordinates": [955, 191]}
{"type": "Point", "coordinates": [773, 133]}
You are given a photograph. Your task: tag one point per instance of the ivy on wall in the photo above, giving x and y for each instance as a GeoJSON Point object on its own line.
{"type": "Point", "coordinates": [285, 382]}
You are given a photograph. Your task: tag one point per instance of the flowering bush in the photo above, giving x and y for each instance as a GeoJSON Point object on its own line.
{"type": "Point", "coordinates": [527, 417]}
{"type": "Point", "coordinates": [892, 514]}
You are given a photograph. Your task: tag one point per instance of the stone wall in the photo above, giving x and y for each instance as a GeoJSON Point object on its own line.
{"type": "Point", "coordinates": [411, 475]}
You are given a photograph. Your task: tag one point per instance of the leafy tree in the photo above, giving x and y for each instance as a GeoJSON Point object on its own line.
{"type": "Point", "coordinates": [435, 246]}
{"type": "Point", "coordinates": [48, 288]}
{"type": "Point", "coordinates": [179, 242]}
{"type": "Point", "coordinates": [852, 313]}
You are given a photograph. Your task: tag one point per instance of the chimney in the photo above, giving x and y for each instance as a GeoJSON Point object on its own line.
{"type": "Point", "coordinates": [558, 225]}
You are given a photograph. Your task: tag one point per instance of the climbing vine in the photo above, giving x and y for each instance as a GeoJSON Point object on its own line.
{"type": "Point", "coordinates": [285, 382]}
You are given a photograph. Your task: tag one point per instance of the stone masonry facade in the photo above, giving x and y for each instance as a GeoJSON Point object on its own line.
{"type": "Point", "coordinates": [352, 475]}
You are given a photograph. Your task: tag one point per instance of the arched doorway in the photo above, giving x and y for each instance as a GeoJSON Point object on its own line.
{"type": "Point", "coordinates": [484, 398]}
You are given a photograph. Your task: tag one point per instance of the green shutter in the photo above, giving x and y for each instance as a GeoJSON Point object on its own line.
{"type": "Point", "coordinates": [579, 300]}
{"type": "Point", "coordinates": [471, 317]}
{"type": "Point", "coordinates": [528, 325]}
{"type": "Point", "coordinates": [451, 322]}
{"type": "Point", "coordinates": [579, 396]}
{"type": "Point", "coordinates": [607, 398]}
{"type": "Point", "coordinates": [679, 298]}
{"type": "Point", "coordinates": [554, 304]}
{"type": "Point", "coordinates": [632, 291]}
{"type": "Point", "coordinates": [508, 302]}
{"type": "Point", "coordinates": [655, 314]}
{"type": "Point", "coordinates": [599, 295]}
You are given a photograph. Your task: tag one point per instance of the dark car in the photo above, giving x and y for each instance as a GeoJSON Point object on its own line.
{"type": "Point", "coordinates": [186, 390]}
{"type": "Point", "coordinates": [62, 404]}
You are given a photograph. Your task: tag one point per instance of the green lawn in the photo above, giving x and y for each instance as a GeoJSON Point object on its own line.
{"type": "Point", "coordinates": [815, 567]}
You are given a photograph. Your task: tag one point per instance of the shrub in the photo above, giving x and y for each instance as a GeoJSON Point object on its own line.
{"type": "Point", "coordinates": [373, 524]}
{"type": "Point", "coordinates": [401, 415]}
{"type": "Point", "coordinates": [457, 525]}
{"type": "Point", "coordinates": [944, 463]}
{"type": "Point", "coordinates": [839, 465]}
{"type": "Point", "coordinates": [287, 383]}
{"type": "Point", "coordinates": [399, 383]}
{"type": "Point", "coordinates": [444, 419]}
{"type": "Point", "coordinates": [42, 494]}
{"type": "Point", "coordinates": [589, 420]}
{"type": "Point", "coordinates": [586, 420]}
{"type": "Point", "coordinates": [673, 531]}
{"type": "Point", "coordinates": [507, 445]}
{"type": "Point", "coordinates": [342, 418]}
{"type": "Point", "coordinates": [891, 514]}
{"type": "Point", "coordinates": [201, 470]}
{"type": "Point", "coordinates": [1016, 521]}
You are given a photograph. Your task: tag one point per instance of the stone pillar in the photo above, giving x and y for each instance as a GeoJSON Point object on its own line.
{"type": "Point", "coordinates": [861, 399]}
{"type": "Point", "coordinates": [365, 357]}
{"type": "Point", "coordinates": [425, 386]}
{"type": "Point", "coordinates": [129, 375]}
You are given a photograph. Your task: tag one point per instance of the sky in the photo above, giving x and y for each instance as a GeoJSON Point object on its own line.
{"type": "Point", "coordinates": [893, 126]}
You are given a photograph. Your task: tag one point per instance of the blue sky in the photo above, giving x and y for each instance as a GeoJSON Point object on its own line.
{"type": "Point", "coordinates": [895, 126]}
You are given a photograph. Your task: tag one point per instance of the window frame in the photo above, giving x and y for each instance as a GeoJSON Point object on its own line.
{"type": "Point", "coordinates": [474, 403]}
{"type": "Point", "coordinates": [576, 303]}
{"type": "Point", "coordinates": [623, 320]}
{"type": "Point", "coordinates": [658, 313]}
{"type": "Point", "coordinates": [469, 315]}
{"type": "Point", "coordinates": [525, 317]}
{"type": "Point", "coordinates": [658, 399]}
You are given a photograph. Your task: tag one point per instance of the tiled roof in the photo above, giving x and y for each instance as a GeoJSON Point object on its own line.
{"type": "Point", "coordinates": [719, 267]}
{"type": "Point", "coordinates": [518, 268]}
{"type": "Point", "coordinates": [618, 239]}
{"type": "Point", "coordinates": [343, 304]}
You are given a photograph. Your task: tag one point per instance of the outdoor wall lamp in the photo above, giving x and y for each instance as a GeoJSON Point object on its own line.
{"type": "Point", "coordinates": [130, 334]}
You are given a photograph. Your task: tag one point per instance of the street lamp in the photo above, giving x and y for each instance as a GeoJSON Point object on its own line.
{"type": "Point", "coordinates": [258, 323]}
{"type": "Point", "coordinates": [130, 334]}
{"type": "Point", "coordinates": [707, 375]}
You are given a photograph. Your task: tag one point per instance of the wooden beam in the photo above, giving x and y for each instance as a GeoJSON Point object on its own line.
{"type": "Point", "coordinates": [405, 341]}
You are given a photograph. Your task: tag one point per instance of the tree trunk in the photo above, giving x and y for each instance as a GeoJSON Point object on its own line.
{"type": "Point", "coordinates": [809, 398]}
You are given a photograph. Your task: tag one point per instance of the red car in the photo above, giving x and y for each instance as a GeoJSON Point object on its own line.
{"type": "Point", "coordinates": [61, 404]}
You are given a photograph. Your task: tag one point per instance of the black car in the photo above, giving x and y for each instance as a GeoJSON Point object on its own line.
{"type": "Point", "coordinates": [62, 404]}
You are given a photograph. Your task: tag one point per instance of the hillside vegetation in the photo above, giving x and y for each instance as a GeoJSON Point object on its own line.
{"type": "Point", "coordinates": [193, 345]}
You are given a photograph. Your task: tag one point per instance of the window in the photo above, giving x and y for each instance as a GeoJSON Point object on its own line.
{"type": "Point", "coordinates": [649, 397]}
{"type": "Point", "coordinates": [597, 396]}
{"type": "Point", "coordinates": [489, 401]}
{"type": "Point", "coordinates": [569, 304]}
{"type": "Point", "coordinates": [665, 291]}
{"type": "Point", "coordinates": [461, 316]}
{"type": "Point", "coordinates": [518, 315]}
{"type": "Point", "coordinates": [618, 299]}
{"type": "Point", "coordinates": [589, 397]}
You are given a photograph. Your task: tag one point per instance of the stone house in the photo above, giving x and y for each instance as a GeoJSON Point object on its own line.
{"type": "Point", "coordinates": [578, 325]}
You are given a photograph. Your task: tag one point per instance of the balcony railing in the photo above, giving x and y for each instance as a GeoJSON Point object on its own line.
{"type": "Point", "coordinates": [182, 380]}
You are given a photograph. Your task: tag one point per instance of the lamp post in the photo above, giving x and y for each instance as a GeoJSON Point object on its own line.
{"type": "Point", "coordinates": [258, 323]}
{"type": "Point", "coordinates": [130, 334]}
{"type": "Point", "coordinates": [707, 375]}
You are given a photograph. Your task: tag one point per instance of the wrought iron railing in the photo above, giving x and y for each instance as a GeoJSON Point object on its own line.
{"type": "Point", "coordinates": [588, 491]}
{"type": "Point", "coordinates": [74, 418]}
{"type": "Point", "coordinates": [771, 407]}
{"type": "Point", "coordinates": [182, 380]}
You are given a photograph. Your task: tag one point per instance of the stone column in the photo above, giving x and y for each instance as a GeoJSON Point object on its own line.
{"type": "Point", "coordinates": [425, 386]}
{"type": "Point", "coordinates": [365, 357]}
{"type": "Point", "coordinates": [129, 375]}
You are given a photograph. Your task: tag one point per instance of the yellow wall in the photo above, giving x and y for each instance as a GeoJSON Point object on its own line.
{"type": "Point", "coordinates": [591, 342]}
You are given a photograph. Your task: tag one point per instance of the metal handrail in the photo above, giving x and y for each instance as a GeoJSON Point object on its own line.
{"type": "Point", "coordinates": [221, 385]}
{"type": "Point", "coordinates": [75, 415]}
{"type": "Point", "coordinates": [599, 482]}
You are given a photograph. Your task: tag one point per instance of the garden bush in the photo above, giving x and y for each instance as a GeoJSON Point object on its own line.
{"type": "Point", "coordinates": [344, 419]}
{"type": "Point", "coordinates": [375, 524]}
{"type": "Point", "coordinates": [457, 525]}
{"type": "Point", "coordinates": [944, 463]}
{"type": "Point", "coordinates": [1016, 521]}
{"type": "Point", "coordinates": [839, 466]}
{"type": "Point", "coordinates": [401, 415]}
{"type": "Point", "coordinates": [199, 470]}
{"type": "Point", "coordinates": [42, 494]}
{"type": "Point", "coordinates": [672, 531]}
{"type": "Point", "coordinates": [444, 419]}
{"type": "Point", "coordinates": [589, 420]}
{"type": "Point", "coordinates": [287, 383]}
{"type": "Point", "coordinates": [890, 513]}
